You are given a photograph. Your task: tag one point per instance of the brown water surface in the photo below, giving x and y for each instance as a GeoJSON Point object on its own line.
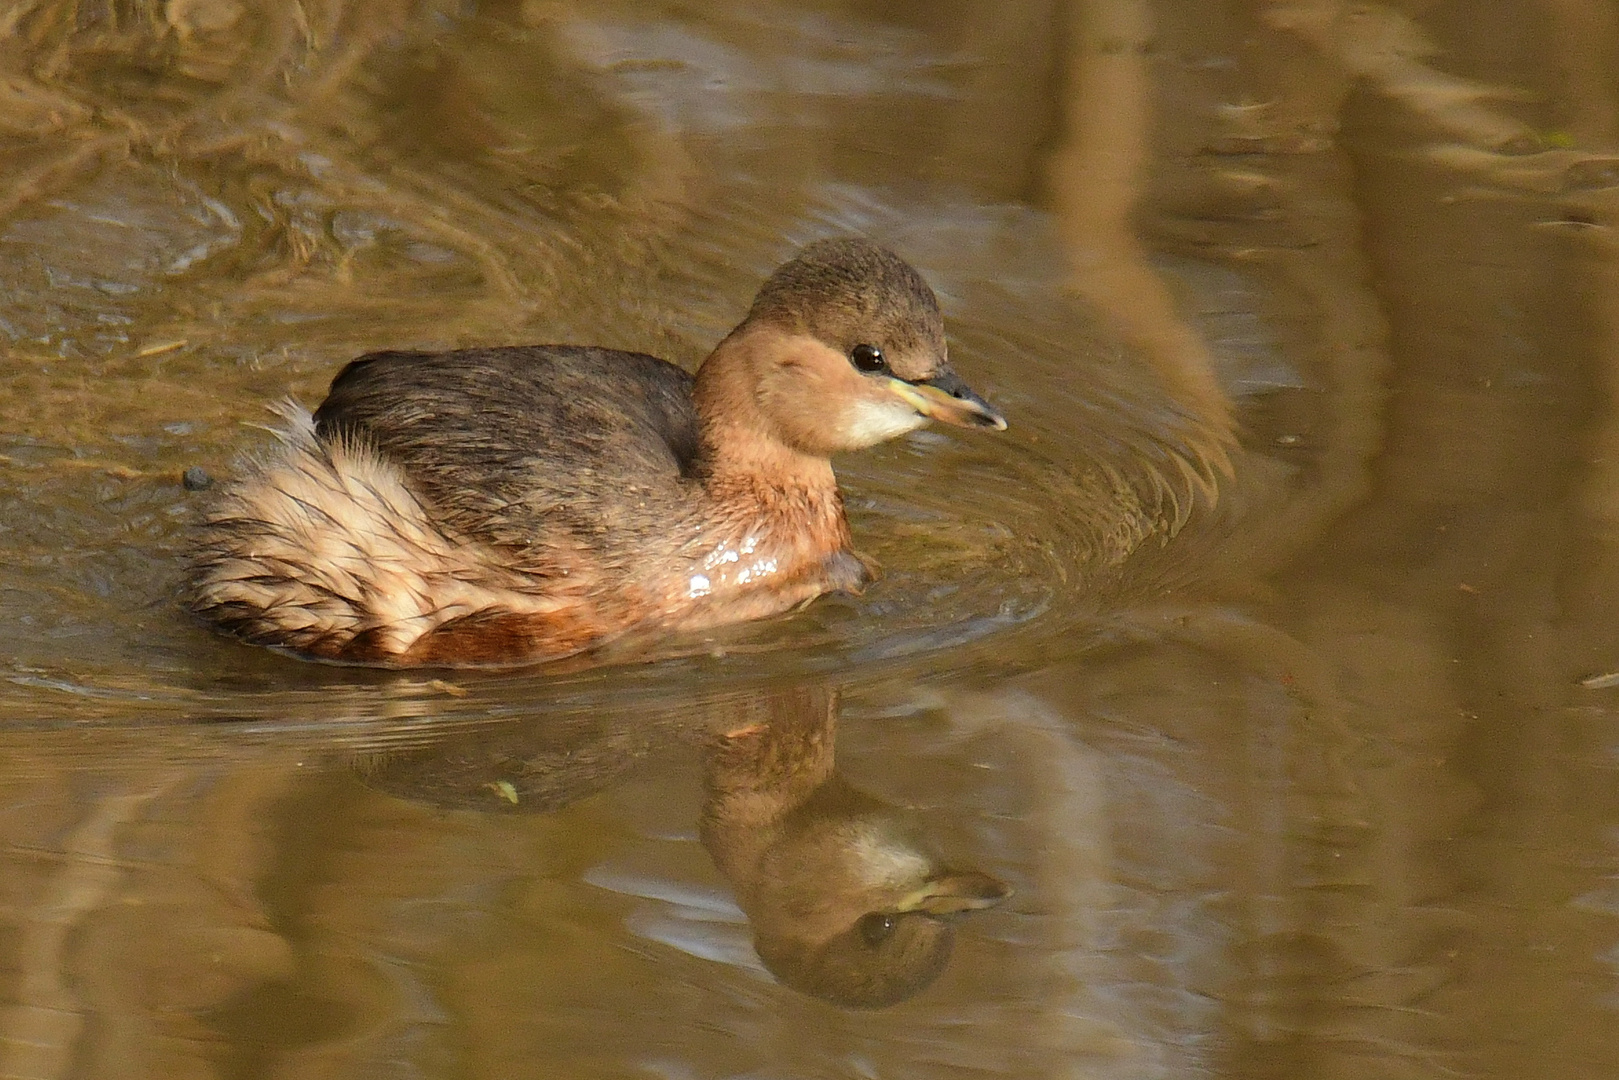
{"type": "Point", "coordinates": [1263, 658]}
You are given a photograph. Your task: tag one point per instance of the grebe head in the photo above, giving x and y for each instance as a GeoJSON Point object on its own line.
{"type": "Point", "coordinates": [845, 348]}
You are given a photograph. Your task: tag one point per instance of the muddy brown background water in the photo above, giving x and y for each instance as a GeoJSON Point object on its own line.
{"type": "Point", "coordinates": [1262, 656]}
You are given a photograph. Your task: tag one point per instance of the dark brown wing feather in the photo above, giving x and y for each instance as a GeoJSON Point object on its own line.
{"type": "Point", "coordinates": [528, 446]}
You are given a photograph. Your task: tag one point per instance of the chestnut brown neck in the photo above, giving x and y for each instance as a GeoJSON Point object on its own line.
{"type": "Point", "coordinates": [778, 753]}
{"type": "Point", "coordinates": [739, 446]}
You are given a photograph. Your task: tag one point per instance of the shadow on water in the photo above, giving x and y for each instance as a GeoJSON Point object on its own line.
{"type": "Point", "coordinates": [1267, 659]}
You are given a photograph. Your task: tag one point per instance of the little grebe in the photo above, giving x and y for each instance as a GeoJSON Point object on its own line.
{"type": "Point", "coordinates": [518, 504]}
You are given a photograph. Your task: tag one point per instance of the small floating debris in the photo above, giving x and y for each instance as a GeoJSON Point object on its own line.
{"type": "Point", "coordinates": [160, 348]}
{"type": "Point", "coordinates": [1570, 222]}
{"type": "Point", "coordinates": [449, 688]}
{"type": "Point", "coordinates": [505, 789]}
{"type": "Point", "coordinates": [196, 478]}
{"type": "Point", "coordinates": [1601, 682]}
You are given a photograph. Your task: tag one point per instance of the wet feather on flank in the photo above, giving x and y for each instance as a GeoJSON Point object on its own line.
{"type": "Point", "coordinates": [518, 504]}
{"type": "Point", "coordinates": [326, 544]}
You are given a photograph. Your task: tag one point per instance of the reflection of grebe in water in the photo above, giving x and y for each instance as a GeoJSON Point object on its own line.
{"type": "Point", "coordinates": [501, 505]}
{"type": "Point", "coordinates": [844, 899]}
{"type": "Point", "coordinates": [845, 903]}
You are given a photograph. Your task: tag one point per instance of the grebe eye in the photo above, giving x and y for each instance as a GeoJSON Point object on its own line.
{"type": "Point", "coordinates": [868, 358]}
{"type": "Point", "coordinates": [877, 927]}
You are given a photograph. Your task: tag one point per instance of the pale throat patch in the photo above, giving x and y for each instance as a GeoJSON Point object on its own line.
{"type": "Point", "coordinates": [885, 858]}
{"type": "Point", "coordinates": [871, 422]}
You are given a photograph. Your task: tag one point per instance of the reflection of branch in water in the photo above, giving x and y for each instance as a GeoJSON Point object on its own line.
{"type": "Point", "coordinates": [1110, 158]}
{"type": "Point", "coordinates": [39, 1035]}
{"type": "Point", "coordinates": [1097, 174]}
{"type": "Point", "coordinates": [1259, 189]}
{"type": "Point", "coordinates": [1386, 49]}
